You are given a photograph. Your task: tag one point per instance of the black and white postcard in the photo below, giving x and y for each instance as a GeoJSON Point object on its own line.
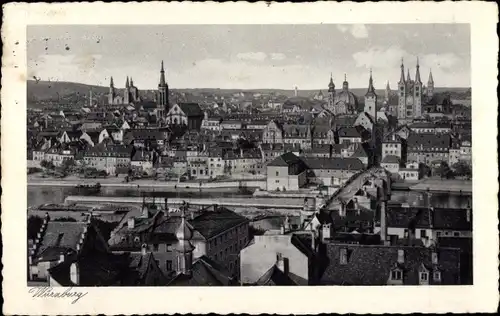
{"type": "Point", "coordinates": [169, 155]}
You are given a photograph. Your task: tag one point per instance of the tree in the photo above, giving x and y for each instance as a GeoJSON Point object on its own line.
{"type": "Point", "coordinates": [444, 171]}
{"type": "Point", "coordinates": [462, 169]}
{"type": "Point", "coordinates": [47, 164]}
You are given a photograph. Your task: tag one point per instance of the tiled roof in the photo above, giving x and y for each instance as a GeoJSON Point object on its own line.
{"type": "Point", "coordinates": [59, 238]}
{"type": "Point", "coordinates": [406, 217]}
{"type": "Point", "coordinates": [285, 160]}
{"type": "Point", "coordinates": [191, 109]}
{"type": "Point", "coordinates": [449, 218]}
{"type": "Point", "coordinates": [212, 223]}
{"type": "Point", "coordinates": [372, 265]}
{"type": "Point", "coordinates": [204, 272]}
{"type": "Point", "coordinates": [274, 276]}
{"type": "Point", "coordinates": [334, 163]}
{"type": "Point", "coordinates": [390, 159]}
{"type": "Point", "coordinates": [424, 142]}
{"type": "Point", "coordinates": [349, 132]}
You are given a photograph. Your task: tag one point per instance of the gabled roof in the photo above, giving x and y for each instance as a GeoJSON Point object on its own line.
{"type": "Point", "coordinates": [334, 163]}
{"type": "Point", "coordinates": [274, 276]}
{"type": "Point", "coordinates": [204, 272]}
{"type": "Point", "coordinates": [213, 222]}
{"type": "Point", "coordinates": [372, 264]}
{"type": "Point", "coordinates": [409, 217]}
{"type": "Point", "coordinates": [191, 109]}
{"type": "Point", "coordinates": [285, 160]}
{"type": "Point", "coordinates": [391, 159]}
{"type": "Point", "coordinates": [59, 238]}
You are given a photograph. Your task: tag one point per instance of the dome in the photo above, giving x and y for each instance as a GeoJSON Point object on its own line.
{"type": "Point", "coordinates": [347, 97]}
{"type": "Point", "coordinates": [184, 232]}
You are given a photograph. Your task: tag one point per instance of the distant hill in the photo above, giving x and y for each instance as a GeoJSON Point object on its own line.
{"type": "Point", "coordinates": [57, 90]}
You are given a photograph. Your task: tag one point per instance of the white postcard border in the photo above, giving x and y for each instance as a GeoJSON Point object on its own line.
{"type": "Point", "coordinates": [482, 296]}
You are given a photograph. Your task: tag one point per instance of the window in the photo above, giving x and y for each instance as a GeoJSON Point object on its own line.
{"type": "Point", "coordinates": [424, 277]}
{"type": "Point", "coordinates": [277, 173]}
{"type": "Point", "coordinates": [169, 265]}
{"type": "Point", "coordinates": [436, 276]}
{"type": "Point", "coordinates": [396, 275]}
{"type": "Point", "coordinates": [155, 247]}
{"type": "Point", "coordinates": [423, 233]}
{"type": "Point", "coordinates": [169, 247]}
{"type": "Point", "coordinates": [456, 234]}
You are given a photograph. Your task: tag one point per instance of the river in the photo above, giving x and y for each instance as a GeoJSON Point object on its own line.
{"type": "Point", "coordinates": [38, 195]}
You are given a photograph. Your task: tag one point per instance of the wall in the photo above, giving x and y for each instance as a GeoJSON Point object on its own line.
{"type": "Point", "coordinates": [260, 256]}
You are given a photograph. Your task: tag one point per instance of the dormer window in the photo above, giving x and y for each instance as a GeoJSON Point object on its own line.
{"type": "Point", "coordinates": [436, 276]}
{"type": "Point", "coordinates": [423, 277]}
{"type": "Point", "coordinates": [397, 275]}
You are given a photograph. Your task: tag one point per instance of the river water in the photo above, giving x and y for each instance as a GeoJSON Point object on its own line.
{"type": "Point", "coordinates": [38, 195]}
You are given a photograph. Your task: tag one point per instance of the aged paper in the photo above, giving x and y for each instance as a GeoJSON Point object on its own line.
{"type": "Point", "coordinates": [482, 296]}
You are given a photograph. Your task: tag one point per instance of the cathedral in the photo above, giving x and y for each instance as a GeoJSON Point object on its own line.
{"type": "Point", "coordinates": [130, 94]}
{"type": "Point", "coordinates": [412, 94]}
{"type": "Point", "coordinates": [344, 102]}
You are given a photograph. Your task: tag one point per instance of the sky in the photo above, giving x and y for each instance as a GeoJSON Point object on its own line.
{"type": "Point", "coordinates": [250, 56]}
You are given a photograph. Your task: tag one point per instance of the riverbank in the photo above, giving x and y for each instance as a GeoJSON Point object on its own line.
{"type": "Point", "coordinates": [261, 203]}
{"type": "Point", "coordinates": [149, 183]}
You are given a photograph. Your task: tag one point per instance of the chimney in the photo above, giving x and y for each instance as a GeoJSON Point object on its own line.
{"type": "Point", "coordinates": [131, 223]}
{"type": "Point", "coordinates": [394, 240]}
{"type": "Point", "coordinates": [411, 236]}
{"type": "Point", "coordinates": [282, 263]}
{"type": "Point", "coordinates": [383, 222]}
{"type": "Point", "coordinates": [342, 210]}
{"type": "Point", "coordinates": [434, 257]}
{"type": "Point", "coordinates": [74, 273]}
{"type": "Point", "coordinates": [326, 231]}
{"type": "Point", "coordinates": [282, 230]}
{"type": "Point", "coordinates": [401, 256]}
{"type": "Point", "coordinates": [144, 249]}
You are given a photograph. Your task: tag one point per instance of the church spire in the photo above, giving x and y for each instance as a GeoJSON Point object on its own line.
{"type": "Point", "coordinates": [162, 76]}
{"type": "Point", "coordinates": [417, 74]}
{"type": "Point", "coordinates": [388, 87]}
{"type": "Point", "coordinates": [111, 83]}
{"type": "Point", "coordinates": [371, 89]}
{"type": "Point", "coordinates": [126, 83]}
{"type": "Point", "coordinates": [431, 80]}
{"type": "Point", "coordinates": [131, 82]}
{"type": "Point", "coordinates": [345, 85]}
{"type": "Point", "coordinates": [408, 78]}
{"type": "Point", "coordinates": [331, 85]}
{"type": "Point", "coordinates": [402, 78]}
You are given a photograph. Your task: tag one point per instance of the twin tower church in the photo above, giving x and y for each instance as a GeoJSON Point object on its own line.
{"type": "Point", "coordinates": [411, 95]}
{"type": "Point", "coordinates": [131, 94]}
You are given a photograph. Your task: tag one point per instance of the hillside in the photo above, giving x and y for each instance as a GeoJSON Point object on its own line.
{"type": "Point", "coordinates": [57, 90]}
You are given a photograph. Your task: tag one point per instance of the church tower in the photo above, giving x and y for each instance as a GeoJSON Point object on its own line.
{"type": "Point", "coordinates": [126, 93]}
{"type": "Point", "coordinates": [371, 99]}
{"type": "Point", "coordinates": [111, 95]}
{"type": "Point", "coordinates": [331, 95]}
{"type": "Point", "coordinates": [184, 247]}
{"type": "Point", "coordinates": [402, 93]}
{"type": "Point", "coordinates": [387, 92]}
{"type": "Point", "coordinates": [417, 93]}
{"type": "Point", "coordinates": [430, 85]}
{"type": "Point", "coordinates": [162, 105]}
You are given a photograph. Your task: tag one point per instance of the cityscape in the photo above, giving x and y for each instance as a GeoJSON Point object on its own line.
{"type": "Point", "coordinates": [249, 155]}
